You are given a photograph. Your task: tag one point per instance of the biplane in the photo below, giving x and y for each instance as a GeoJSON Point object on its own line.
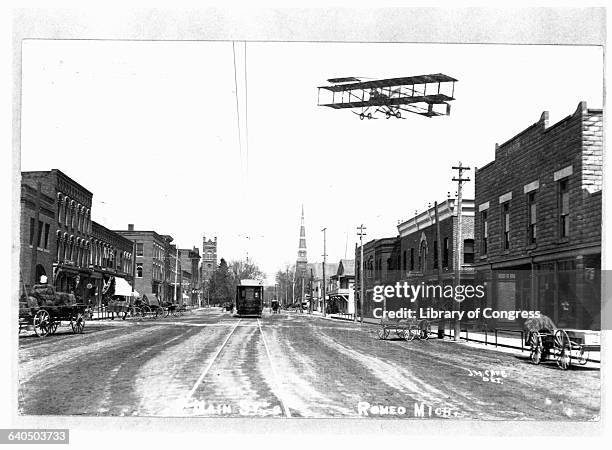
{"type": "Point", "coordinates": [427, 95]}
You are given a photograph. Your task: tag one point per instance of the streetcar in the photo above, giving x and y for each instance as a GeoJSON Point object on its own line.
{"type": "Point", "coordinates": [249, 298]}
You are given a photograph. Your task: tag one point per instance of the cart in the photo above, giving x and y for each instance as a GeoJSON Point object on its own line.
{"type": "Point", "coordinates": [561, 345]}
{"type": "Point", "coordinates": [408, 329]}
{"type": "Point", "coordinates": [135, 309]}
{"type": "Point", "coordinates": [45, 309]}
{"type": "Point", "coordinates": [546, 341]}
{"type": "Point", "coordinates": [152, 306]}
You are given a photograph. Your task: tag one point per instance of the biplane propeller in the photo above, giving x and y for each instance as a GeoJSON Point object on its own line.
{"type": "Point", "coordinates": [427, 95]}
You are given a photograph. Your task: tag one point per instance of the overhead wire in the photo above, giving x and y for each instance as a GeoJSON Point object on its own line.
{"type": "Point", "coordinates": [237, 108]}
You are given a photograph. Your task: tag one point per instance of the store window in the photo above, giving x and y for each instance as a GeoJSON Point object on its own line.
{"type": "Point", "coordinates": [563, 208]}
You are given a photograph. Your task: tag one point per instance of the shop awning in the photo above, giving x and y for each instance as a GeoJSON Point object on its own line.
{"type": "Point", "coordinates": [124, 288]}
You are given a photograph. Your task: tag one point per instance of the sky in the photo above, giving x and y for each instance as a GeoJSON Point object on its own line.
{"type": "Point", "coordinates": [151, 128]}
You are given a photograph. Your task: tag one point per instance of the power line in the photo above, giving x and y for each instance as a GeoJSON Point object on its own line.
{"type": "Point", "coordinates": [246, 111]}
{"type": "Point", "coordinates": [237, 107]}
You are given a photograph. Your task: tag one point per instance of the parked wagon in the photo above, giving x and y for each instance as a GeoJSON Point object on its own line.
{"type": "Point", "coordinates": [44, 309]}
{"type": "Point", "coordinates": [128, 307]}
{"type": "Point", "coordinates": [546, 341]}
{"type": "Point", "coordinates": [152, 307]}
{"type": "Point", "coordinates": [408, 329]}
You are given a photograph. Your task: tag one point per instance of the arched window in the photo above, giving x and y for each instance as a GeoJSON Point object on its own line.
{"type": "Point", "coordinates": [66, 212]}
{"type": "Point", "coordinates": [58, 247]}
{"type": "Point", "coordinates": [423, 256]}
{"type": "Point", "coordinates": [59, 208]}
{"type": "Point", "coordinates": [72, 213]}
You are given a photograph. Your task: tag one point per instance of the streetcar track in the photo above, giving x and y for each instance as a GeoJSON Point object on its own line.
{"type": "Point", "coordinates": [205, 371]}
{"type": "Point", "coordinates": [274, 373]}
{"type": "Point", "coordinates": [215, 357]}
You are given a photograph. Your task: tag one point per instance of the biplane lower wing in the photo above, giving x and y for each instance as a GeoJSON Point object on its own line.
{"type": "Point", "coordinates": [433, 99]}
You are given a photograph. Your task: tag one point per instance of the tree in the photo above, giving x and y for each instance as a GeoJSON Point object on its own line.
{"type": "Point", "coordinates": [245, 270]}
{"type": "Point", "coordinates": [284, 280]}
{"type": "Point", "coordinates": [222, 286]}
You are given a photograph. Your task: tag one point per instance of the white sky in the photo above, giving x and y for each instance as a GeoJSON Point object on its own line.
{"type": "Point", "coordinates": [151, 129]}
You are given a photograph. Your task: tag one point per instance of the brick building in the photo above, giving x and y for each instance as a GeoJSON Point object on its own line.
{"type": "Point", "coordinates": [418, 257]}
{"type": "Point", "coordinates": [209, 263]}
{"type": "Point", "coordinates": [69, 230]}
{"type": "Point", "coordinates": [111, 257]}
{"type": "Point", "coordinates": [538, 220]}
{"type": "Point", "coordinates": [155, 261]}
{"type": "Point", "coordinates": [190, 262]}
{"type": "Point", "coordinates": [377, 269]}
{"type": "Point", "coordinates": [38, 226]}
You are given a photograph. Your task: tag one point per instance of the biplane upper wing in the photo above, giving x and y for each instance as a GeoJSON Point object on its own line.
{"type": "Point", "coordinates": [389, 82]}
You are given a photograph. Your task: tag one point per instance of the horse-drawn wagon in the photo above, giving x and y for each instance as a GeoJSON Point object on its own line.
{"type": "Point", "coordinates": [546, 341]}
{"type": "Point", "coordinates": [44, 309]}
{"type": "Point", "coordinates": [408, 329]}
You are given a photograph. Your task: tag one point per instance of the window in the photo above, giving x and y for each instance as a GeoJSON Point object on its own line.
{"type": "Point", "coordinates": [563, 209]}
{"type": "Point", "coordinates": [404, 260]}
{"type": "Point", "coordinates": [445, 255]}
{"type": "Point", "coordinates": [139, 270]}
{"type": "Point", "coordinates": [532, 218]}
{"type": "Point", "coordinates": [412, 259]}
{"type": "Point", "coordinates": [506, 225]}
{"type": "Point", "coordinates": [485, 232]}
{"type": "Point", "coordinates": [39, 235]}
{"type": "Point", "coordinates": [435, 250]}
{"type": "Point", "coordinates": [468, 251]}
{"type": "Point", "coordinates": [46, 236]}
{"type": "Point", "coordinates": [423, 256]}
{"type": "Point", "coordinates": [32, 230]}
{"type": "Point", "coordinates": [139, 249]}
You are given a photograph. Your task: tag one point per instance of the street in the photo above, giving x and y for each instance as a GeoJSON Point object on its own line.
{"type": "Point", "coordinates": [208, 363]}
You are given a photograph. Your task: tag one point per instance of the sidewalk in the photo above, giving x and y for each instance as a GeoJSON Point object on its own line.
{"type": "Point", "coordinates": [505, 341]}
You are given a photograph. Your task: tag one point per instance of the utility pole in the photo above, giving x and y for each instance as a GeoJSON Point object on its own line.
{"type": "Point", "coordinates": [324, 261]}
{"type": "Point", "coordinates": [439, 256]}
{"type": "Point", "coordinates": [175, 274]}
{"type": "Point", "coordinates": [361, 233]}
{"type": "Point", "coordinates": [459, 244]}
{"type": "Point", "coordinates": [311, 297]}
{"type": "Point", "coordinates": [287, 287]}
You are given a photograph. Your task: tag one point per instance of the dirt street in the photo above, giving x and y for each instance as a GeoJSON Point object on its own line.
{"type": "Point", "coordinates": [210, 364]}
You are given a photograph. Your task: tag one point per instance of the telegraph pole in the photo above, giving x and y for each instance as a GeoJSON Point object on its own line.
{"type": "Point", "coordinates": [176, 274]}
{"type": "Point", "coordinates": [459, 244]}
{"type": "Point", "coordinates": [361, 233]}
{"type": "Point", "coordinates": [324, 261]}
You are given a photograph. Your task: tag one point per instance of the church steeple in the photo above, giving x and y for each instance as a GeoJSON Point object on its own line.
{"type": "Point", "coordinates": [301, 262]}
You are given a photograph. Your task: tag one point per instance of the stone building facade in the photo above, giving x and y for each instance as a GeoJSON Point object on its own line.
{"type": "Point", "coordinates": [538, 220]}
